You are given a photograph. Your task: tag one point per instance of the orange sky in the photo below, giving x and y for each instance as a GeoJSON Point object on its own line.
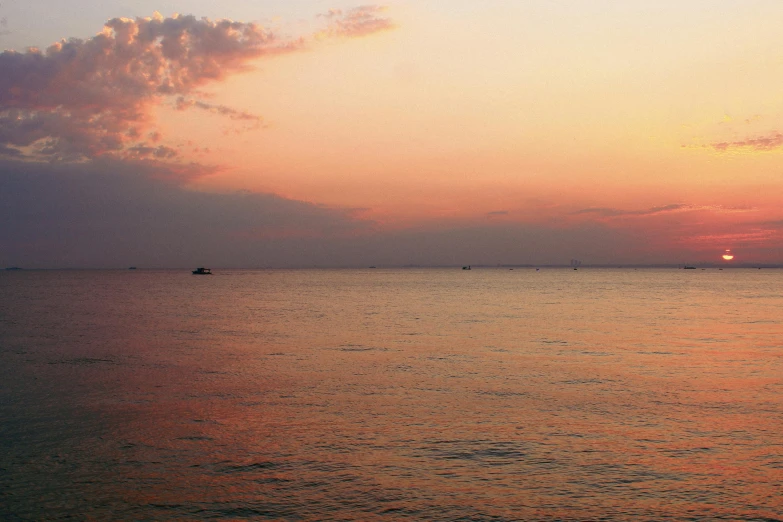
{"type": "Point", "coordinates": [661, 120]}
{"type": "Point", "coordinates": [479, 114]}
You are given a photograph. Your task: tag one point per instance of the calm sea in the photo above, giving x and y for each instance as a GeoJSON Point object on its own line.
{"type": "Point", "coordinates": [426, 394]}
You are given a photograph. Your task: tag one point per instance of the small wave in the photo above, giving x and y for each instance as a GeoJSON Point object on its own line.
{"type": "Point", "coordinates": [245, 468]}
{"type": "Point", "coordinates": [360, 348]}
{"type": "Point", "coordinates": [84, 361]}
{"type": "Point", "coordinates": [502, 393]}
{"type": "Point", "coordinates": [401, 368]}
{"type": "Point", "coordinates": [582, 381]}
{"type": "Point", "coordinates": [496, 453]}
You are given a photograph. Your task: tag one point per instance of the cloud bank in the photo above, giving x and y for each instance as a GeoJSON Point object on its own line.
{"type": "Point", "coordinates": [106, 214]}
{"type": "Point", "coordinates": [116, 213]}
{"type": "Point", "coordinates": [111, 213]}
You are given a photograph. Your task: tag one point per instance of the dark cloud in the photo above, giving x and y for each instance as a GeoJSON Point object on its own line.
{"type": "Point", "coordinates": [112, 213]}
{"type": "Point", "coordinates": [765, 143]}
{"type": "Point", "coordinates": [89, 98]}
{"type": "Point", "coordinates": [160, 152]}
{"type": "Point", "coordinates": [359, 21]}
{"type": "Point", "coordinates": [118, 213]}
{"type": "Point", "coordinates": [506, 243]}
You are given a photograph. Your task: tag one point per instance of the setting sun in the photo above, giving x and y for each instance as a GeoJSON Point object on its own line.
{"type": "Point", "coordinates": [728, 256]}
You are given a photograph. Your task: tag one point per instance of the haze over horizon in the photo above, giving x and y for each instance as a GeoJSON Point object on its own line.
{"type": "Point", "coordinates": [307, 133]}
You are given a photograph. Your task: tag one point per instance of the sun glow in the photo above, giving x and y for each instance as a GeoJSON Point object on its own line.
{"type": "Point", "coordinates": [728, 256]}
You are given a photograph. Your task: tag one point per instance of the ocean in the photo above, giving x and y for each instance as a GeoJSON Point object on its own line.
{"type": "Point", "coordinates": [420, 394]}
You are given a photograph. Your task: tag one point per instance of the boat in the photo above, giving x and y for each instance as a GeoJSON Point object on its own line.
{"type": "Point", "coordinates": [202, 271]}
{"type": "Point", "coordinates": [13, 268]}
{"type": "Point", "coordinates": [131, 268]}
{"type": "Point", "coordinates": [466, 267]}
{"type": "Point", "coordinates": [686, 267]}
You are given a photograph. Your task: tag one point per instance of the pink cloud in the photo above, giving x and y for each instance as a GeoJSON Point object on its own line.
{"type": "Point", "coordinates": [359, 21]}
{"type": "Point", "coordinates": [84, 99]}
{"type": "Point", "coordinates": [87, 98]}
{"type": "Point", "coordinates": [767, 143]}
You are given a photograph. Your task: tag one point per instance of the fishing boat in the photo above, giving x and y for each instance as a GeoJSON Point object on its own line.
{"type": "Point", "coordinates": [202, 271]}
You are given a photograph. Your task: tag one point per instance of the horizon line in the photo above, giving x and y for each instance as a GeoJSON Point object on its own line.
{"type": "Point", "coordinates": [409, 266]}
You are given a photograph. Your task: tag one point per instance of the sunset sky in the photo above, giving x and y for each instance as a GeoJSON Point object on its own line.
{"type": "Point", "coordinates": [314, 133]}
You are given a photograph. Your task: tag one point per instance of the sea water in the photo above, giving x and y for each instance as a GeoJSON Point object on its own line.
{"type": "Point", "coordinates": [427, 394]}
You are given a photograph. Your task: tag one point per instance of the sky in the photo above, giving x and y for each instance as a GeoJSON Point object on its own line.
{"type": "Point", "coordinates": [307, 133]}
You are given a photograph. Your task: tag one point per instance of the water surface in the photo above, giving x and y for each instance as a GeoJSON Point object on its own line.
{"type": "Point", "coordinates": [429, 394]}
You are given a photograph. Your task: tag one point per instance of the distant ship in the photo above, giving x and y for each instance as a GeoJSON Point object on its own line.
{"type": "Point", "coordinates": [131, 268]}
{"type": "Point", "coordinates": [686, 267]}
{"type": "Point", "coordinates": [466, 267]}
{"type": "Point", "coordinates": [202, 271]}
{"type": "Point", "coordinates": [13, 268]}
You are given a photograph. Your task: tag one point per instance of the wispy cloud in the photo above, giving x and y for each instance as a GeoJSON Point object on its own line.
{"type": "Point", "coordinates": [753, 236]}
{"type": "Point", "coordinates": [497, 213]}
{"type": "Point", "coordinates": [665, 209]}
{"type": "Point", "coordinates": [254, 120]}
{"type": "Point", "coordinates": [613, 212]}
{"type": "Point", "coordinates": [356, 22]}
{"type": "Point", "coordinates": [81, 99]}
{"type": "Point", "coordinates": [764, 143]}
